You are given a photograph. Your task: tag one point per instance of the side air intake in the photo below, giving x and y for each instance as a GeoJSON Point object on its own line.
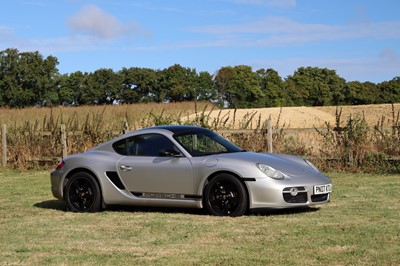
{"type": "Point", "coordinates": [114, 178]}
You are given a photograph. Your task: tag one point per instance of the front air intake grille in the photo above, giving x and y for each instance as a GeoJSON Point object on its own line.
{"type": "Point", "coordinates": [319, 198]}
{"type": "Point", "coordinates": [295, 195]}
{"type": "Point", "coordinates": [301, 197]}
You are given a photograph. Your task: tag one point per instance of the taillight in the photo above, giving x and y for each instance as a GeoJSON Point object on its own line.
{"type": "Point", "coordinates": [60, 165]}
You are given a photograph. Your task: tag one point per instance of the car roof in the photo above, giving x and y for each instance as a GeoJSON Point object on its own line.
{"type": "Point", "coordinates": [177, 129]}
{"type": "Point", "coordinates": [174, 129]}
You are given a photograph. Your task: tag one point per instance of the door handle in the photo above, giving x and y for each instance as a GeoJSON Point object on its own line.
{"type": "Point", "coordinates": [125, 168]}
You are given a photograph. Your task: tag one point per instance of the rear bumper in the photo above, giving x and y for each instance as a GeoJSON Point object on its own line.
{"type": "Point", "coordinates": [56, 184]}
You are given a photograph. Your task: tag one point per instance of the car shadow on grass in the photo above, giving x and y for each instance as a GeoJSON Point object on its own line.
{"type": "Point", "coordinates": [170, 210]}
{"type": "Point", "coordinates": [61, 206]}
{"type": "Point", "coordinates": [203, 212]}
{"type": "Point", "coordinates": [57, 205]}
{"type": "Point", "coordinates": [276, 212]}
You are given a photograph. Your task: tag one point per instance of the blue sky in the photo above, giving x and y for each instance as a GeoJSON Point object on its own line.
{"type": "Point", "coordinates": [359, 39]}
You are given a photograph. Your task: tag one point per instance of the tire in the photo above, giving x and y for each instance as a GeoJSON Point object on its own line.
{"type": "Point", "coordinates": [225, 195]}
{"type": "Point", "coordinates": [82, 193]}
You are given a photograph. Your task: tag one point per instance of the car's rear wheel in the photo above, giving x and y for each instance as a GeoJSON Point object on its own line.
{"type": "Point", "coordinates": [225, 195]}
{"type": "Point", "coordinates": [82, 193]}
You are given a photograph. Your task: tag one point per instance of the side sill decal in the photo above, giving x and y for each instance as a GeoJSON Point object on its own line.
{"type": "Point", "coordinates": [157, 195]}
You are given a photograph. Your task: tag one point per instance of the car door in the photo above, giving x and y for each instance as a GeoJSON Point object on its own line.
{"type": "Point", "coordinates": [148, 169]}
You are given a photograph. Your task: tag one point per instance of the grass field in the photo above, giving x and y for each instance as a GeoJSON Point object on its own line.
{"type": "Point", "coordinates": [361, 226]}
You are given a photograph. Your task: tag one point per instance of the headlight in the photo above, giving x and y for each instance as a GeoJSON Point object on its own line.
{"type": "Point", "coordinates": [311, 165]}
{"type": "Point", "coordinates": [269, 171]}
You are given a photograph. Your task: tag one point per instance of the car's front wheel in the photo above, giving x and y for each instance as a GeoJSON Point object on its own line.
{"type": "Point", "coordinates": [82, 193]}
{"type": "Point", "coordinates": [225, 195]}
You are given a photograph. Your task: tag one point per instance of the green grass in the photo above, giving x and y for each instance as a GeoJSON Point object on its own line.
{"type": "Point", "coordinates": [361, 226]}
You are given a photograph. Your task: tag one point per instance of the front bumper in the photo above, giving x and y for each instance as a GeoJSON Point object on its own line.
{"type": "Point", "coordinates": [275, 194]}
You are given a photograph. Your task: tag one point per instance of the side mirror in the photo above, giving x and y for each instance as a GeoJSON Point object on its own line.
{"type": "Point", "coordinates": [170, 153]}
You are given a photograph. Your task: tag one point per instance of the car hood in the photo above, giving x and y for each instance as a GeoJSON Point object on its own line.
{"type": "Point", "coordinates": [287, 164]}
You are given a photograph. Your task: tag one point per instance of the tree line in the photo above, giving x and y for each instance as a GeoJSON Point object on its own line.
{"type": "Point", "coordinates": [29, 79]}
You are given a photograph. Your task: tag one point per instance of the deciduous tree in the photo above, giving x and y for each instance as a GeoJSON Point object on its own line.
{"type": "Point", "coordinates": [273, 88]}
{"type": "Point", "coordinates": [313, 86]}
{"type": "Point", "coordinates": [238, 86]}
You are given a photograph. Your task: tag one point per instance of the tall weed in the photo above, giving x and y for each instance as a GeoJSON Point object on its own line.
{"type": "Point", "coordinates": [358, 147]}
{"type": "Point", "coordinates": [348, 145]}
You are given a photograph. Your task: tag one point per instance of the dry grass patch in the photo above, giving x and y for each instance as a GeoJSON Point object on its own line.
{"type": "Point", "coordinates": [88, 126]}
{"type": "Point", "coordinates": [112, 116]}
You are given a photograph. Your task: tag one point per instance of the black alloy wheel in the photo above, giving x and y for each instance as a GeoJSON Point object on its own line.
{"type": "Point", "coordinates": [82, 193]}
{"type": "Point", "coordinates": [226, 195]}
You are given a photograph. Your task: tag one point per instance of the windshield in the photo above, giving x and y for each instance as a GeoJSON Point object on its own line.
{"type": "Point", "coordinates": [200, 143]}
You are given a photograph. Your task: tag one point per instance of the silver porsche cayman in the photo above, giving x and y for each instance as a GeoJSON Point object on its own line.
{"type": "Point", "coordinates": [185, 166]}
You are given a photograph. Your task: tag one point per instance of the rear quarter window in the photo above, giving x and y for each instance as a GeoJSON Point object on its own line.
{"type": "Point", "coordinates": [143, 145]}
{"type": "Point", "coordinates": [120, 147]}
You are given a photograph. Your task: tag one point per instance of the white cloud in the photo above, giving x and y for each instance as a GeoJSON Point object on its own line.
{"type": "Point", "coordinates": [8, 38]}
{"type": "Point", "coordinates": [269, 3]}
{"type": "Point", "coordinates": [54, 45]}
{"type": "Point", "coordinates": [6, 33]}
{"type": "Point", "coordinates": [68, 44]}
{"type": "Point", "coordinates": [281, 31]}
{"type": "Point", "coordinates": [93, 21]}
{"type": "Point", "coordinates": [93, 30]}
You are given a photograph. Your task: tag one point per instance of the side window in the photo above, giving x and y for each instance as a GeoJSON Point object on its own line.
{"type": "Point", "coordinates": [144, 145]}
{"type": "Point", "coordinates": [200, 144]}
{"type": "Point", "coordinates": [120, 147]}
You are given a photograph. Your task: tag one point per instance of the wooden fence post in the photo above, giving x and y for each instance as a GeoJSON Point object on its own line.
{"type": "Point", "coordinates": [64, 141]}
{"type": "Point", "coordinates": [126, 126]}
{"type": "Point", "coordinates": [269, 134]}
{"type": "Point", "coordinates": [4, 144]}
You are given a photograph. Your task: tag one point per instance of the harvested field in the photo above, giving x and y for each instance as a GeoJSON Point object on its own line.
{"type": "Point", "coordinates": [289, 117]}
{"type": "Point", "coordinates": [303, 117]}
